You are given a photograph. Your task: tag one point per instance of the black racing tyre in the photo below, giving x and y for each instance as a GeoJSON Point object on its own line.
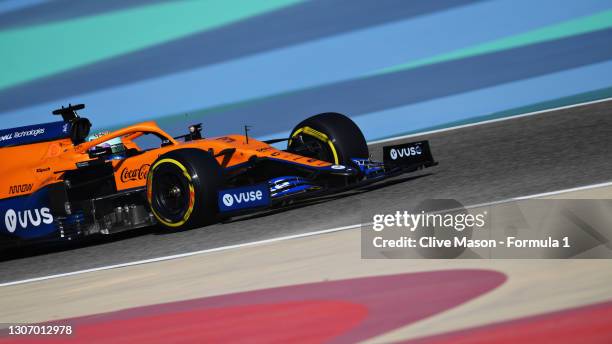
{"type": "Point", "coordinates": [182, 189]}
{"type": "Point", "coordinates": [329, 136]}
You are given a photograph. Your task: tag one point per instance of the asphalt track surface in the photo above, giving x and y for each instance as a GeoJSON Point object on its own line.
{"type": "Point", "coordinates": [528, 155]}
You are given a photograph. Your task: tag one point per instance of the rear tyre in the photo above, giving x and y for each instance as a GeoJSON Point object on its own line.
{"type": "Point", "coordinates": [182, 189]}
{"type": "Point", "coordinates": [329, 136]}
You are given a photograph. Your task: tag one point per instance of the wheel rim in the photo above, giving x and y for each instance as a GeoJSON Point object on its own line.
{"type": "Point", "coordinates": [172, 195]}
{"type": "Point", "coordinates": [171, 192]}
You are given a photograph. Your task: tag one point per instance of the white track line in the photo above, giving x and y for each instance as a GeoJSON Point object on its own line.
{"type": "Point", "coordinates": [580, 188]}
{"type": "Point", "coordinates": [283, 238]}
{"type": "Point", "coordinates": [182, 255]}
{"type": "Point", "coordinates": [544, 194]}
{"type": "Point", "coordinates": [487, 122]}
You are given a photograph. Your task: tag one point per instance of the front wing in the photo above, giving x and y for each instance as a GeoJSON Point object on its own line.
{"type": "Point", "coordinates": [281, 191]}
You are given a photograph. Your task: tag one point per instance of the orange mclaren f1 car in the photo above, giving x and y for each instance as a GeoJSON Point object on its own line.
{"type": "Point", "coordinates": [60, 183]}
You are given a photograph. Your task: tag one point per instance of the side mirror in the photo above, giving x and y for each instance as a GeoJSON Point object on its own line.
{"type": "Point", "coordinates": [98, 152]}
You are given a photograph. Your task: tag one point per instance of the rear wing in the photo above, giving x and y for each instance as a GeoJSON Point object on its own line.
{"type": "Point", "coordinates": [34, 133]}
{"type": "Point", "coordinates": [74, 127]}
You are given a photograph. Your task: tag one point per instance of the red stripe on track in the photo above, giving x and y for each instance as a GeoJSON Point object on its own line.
{"type": "Point", "coordinates": [589, 324]}
{"type": "Point", "coordinates": [337, 311]}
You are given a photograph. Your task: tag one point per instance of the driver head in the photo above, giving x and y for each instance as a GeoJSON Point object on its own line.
{"type": "Point", "coordinates": [116, 145]}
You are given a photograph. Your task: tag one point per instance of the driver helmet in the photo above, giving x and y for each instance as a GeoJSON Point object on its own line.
{"type": "Point", "coordinates": [116, 145]}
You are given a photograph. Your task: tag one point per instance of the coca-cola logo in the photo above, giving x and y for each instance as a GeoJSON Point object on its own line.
{"type": "Point", "coordinates": [140, 173]}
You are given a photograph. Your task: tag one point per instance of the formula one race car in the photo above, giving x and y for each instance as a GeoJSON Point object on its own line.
{"type": "Point", "coordinates": [60, 183]}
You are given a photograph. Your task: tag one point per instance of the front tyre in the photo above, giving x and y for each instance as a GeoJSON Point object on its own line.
{"type": "Point", "coordinates": [330, 137]}
{"type": "Point", "coordinates": [182, 189]}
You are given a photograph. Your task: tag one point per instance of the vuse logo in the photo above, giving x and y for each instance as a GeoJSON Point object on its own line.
{"type": "Point", "coordinates": [405, 152]}
{"type": "Point", "coordinates": [245, 197]}
{"type": "Point", "coordinates": [27, 218]}
{"type": "Point", "coordinates": [242, 197]}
